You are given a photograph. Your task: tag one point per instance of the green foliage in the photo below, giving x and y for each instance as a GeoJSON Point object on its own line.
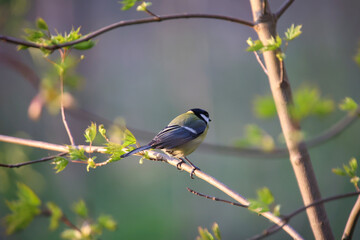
{"type": "Point", "coordinates": [115, 150]}
{"type": "Point", "coordinates": [41, 35]}
{"type": "Point", "coordinates": [76, 153]}
{"type": "Point", "coordinates": [273, 44]}
{"type": "Point", "coordinates": [349, 105]}
{"type": "Point", "coordinates": [60, 163]}
{"type": "Point", "coordinates": [349, 171]}
{"type": "Point", "coordinates": [91, 163]}
{"type": "Point", "coordinates": [263, 202]}
{"type": "Point", "coordinates": [80, 208]}
{"type": "Point", "coordinates": [256, 137]}
{"type": "Point", "coordinates": [106, 222]}
{"type": "Point", "coordinates": [90, 133]}
{"type": "Point", "coordinates": [264, 106]}
{"type": "Point", "coordinates": [308, 101]}
{"type": "Point", "coordinates": [127, 4]}
{"type": "Point", "coordinates": [206, 235]}
{"type": "Point", "coordinates": [292, 32]}
{"type": "Point", "coordinates": [55, 215]}
{"type": "Point", "coordinates": [102, 131]}
{"type": "Point", "coordinates": [23, 210]}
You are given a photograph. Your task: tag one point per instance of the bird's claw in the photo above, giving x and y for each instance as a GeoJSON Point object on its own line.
{"type": "Point", "coordinates": [193, 171]}
{"type": "Point", "coordinates": [178, 166]}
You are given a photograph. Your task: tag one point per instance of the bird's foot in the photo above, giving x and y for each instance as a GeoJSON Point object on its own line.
{"type": "Point", "coordinates": [179, 164]}
{"type": "Point", "coordinates": [193, 171]}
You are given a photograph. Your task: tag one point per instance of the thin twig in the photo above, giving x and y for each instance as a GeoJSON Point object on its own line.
{"type": "Point", "coordinates": [352, 220]}
{"type": "Point", "coordinates": [283, 8]}
{"type": "Point", "coordinates": [122, 24]}
{"type": "Point", "coordinates": [287, 218]}
{"type": "Point", "coordinates": [62, 103]}
{"type": "Point", "coordinates": [216, 199]}
{"type": "Point", "coordinates": [64, 219]}
{"type": "Point", "coordinates": [260, 62]}
{"type": "Point", "coordinates": [45, 159]}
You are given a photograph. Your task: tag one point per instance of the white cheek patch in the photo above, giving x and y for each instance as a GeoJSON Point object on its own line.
{"type": "Point", "coordinates": [205, 118]}
{"type": "Point", "coordinates": [190, 129]}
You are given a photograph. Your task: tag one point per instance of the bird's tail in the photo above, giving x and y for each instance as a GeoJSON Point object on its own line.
{"type": "Point", "coordinates": [136, 150]}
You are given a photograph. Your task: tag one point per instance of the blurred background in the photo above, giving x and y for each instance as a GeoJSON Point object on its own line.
{"type": "Point", "coordinates": [147, 74]}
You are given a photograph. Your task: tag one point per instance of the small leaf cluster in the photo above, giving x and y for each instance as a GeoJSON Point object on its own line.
{"type": "Point", "coordinates": [262, 204]}
{"type": "Point", "coordinates": [348, 105]}
{"type": "Point", "coordinates": [28, 205]}
{"type": "Point", "coordinates": [307, 102]}
{"type": "Point", "coordinates": [127, 4]}
{"type": "Point", "coordinates": [256, 137]}
{"type": "Point", "coordinates": [274, 43]}
{"type": "Point", "coordinates": [350, 171]}
{"type": "Point", "coordinates": [41, 35]}
{"type": "Point", "coordinates": [206, 235]}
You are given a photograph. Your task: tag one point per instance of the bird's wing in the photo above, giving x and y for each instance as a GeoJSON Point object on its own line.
{"type": "Point", "coordinates": [175, 135]}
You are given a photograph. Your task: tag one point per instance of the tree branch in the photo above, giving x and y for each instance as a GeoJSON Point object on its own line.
{"type": "Point", "coordinates": [64, 219]}
{"type": "Point", "coordinates": [159, 157]}
{"type": "Point", "coordinates": [283, 8]}
{"type": "Point", "coordinates": [123, 24]}
{"type": "Point", "coordinates": [45, 159]}
{"type": "Point", "coordinates": [273, 229]}
{"type": "Point", "coordinates": [299, 156]}
{"type": "Point", "coordinates": [352, 220]}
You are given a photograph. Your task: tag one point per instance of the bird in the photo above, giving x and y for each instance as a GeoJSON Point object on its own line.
{"type": "Point", "coordinates": [180, 137]}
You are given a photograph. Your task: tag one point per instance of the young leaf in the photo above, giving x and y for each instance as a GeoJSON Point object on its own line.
{"type": "Point", "coordinates": [272, 44]}
{"type": "Point", "coordinates": [339, 171]}
{"type": "Point", "coordinates": [204, 234]}
{"type": "Point", "coordinates": [276, 210]}
{"type": "Point", "coordinates": [143, 6]}
{"type": "Point", "coordinates": [216, 230]}
{"type": "Point", "coordinates": [23, 210]}
{"type": "Point", "coordinates": [353, 164]}
{"type": "Point", "coordinates": [90, 133]}
{"type": "Point", "coordinates": [129, 138]}
{"type": "Point", "coordinates": [258, 206]}
{"type": "Point", "coordinates": [127, 4]}
{"type": "Point", "coordinates": [264, 107]}
{"type": "Point", "coordinates": [60, 164]}
{"type": "Point", "coordinates": [293, 32]}
{"type": "Point", "coordinates": [56, 214]}
{"type": "Point", "coordinates": [84, 45]}
{"type": "Point", "coordinates": [41, 24]}
{"type": "Point", "coordinates": [91, 163]}
{"type": "Point", "coordinates": [76, 154]}
{"type": "Point", "coordinates": [348, 104]}
{"type": "Point", "coordinates": [265, 196]}
{"type": "Point", "coordinates": [80, 208]}
{"type": "Point", "coordinates": [102, 131]}
{"type": "Point", "coordinates": [254, 45]}
{"type": "Point", "coordinates": [107, 222]}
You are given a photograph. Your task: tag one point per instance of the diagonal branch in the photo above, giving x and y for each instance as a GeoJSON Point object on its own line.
{"type": "Point", "coordinates": [283, 8]}
{"type": "Point", "coordinates": [45, 159]}
{"type": "Point", "coordinates": [352, 220]}
{"type": "Point", "coordinates": [123, 24]}
{"type": "Point", "coordinates": [153, 155]}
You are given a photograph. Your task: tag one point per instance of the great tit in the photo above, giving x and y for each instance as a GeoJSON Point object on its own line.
{"type": "Point", "coordinates": [181, 137]}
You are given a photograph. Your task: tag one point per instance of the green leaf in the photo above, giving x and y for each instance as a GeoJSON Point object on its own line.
{"type": "Point", "coordinates": [216, 231]}
{"type": "Point", "coordinates": [90, 133]}
{"type": "Point", "coordinates": [56, 215]}
{"type": "Point", "coordinates": [339, 171]}
{"type": "Point", "coordinates": [116, 150]}
{"type": "Point", "coordinates": [102, 130]}
{"type": "Point", "coordinates": [293, 32]}
{"type": "Point", "coordinates": [84, 45]}
{"type": "Point", "coordinates": [256, 137]}
{"type": "Point", "coordinates": [276, 210]}
{"type": "Point", "coordinates": [71, 234]}
{"type": "Point", "coordinates": [41, 24]}
{"type": "Point", "coordinates": [353, 164]}
{"type": "Point", "coordinates": [127, 4]}
{"type": "Point", "coordinates": [80, 208]}
{"type": "Point", "coordinates": [60, 164]}
{"type": "Point", "coordinates": [258, 206]}
{"type": "Point", "coordinates": [264, 107]}
{"type": "Point", "coordinates": [254, 45]}
{"type": "Point", "coordinates": [91, 163]}
{"type": "Point", "coordinates": [204, 234]}
{"type": "Point", "coordinates": [22, 210]}
{"type": "Point", "coordinates": [76, 154]}
{"type": "Point", "coordinates": [143, 6]}
{"type": "Point", "coordinates": [272, 44]}
{"type": "Point", "coordinates": [265, 196]}
{"type": "Point", "coordinates": [21, 47]}
{"type": "Point", "coordinates": [355, 180]}
{"type": "Point", "coordinates": [129, 138]}
{"type": "Point", "coordinates": [107, 222]}
{"type": "Point", "coordinates": [348, 104]}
